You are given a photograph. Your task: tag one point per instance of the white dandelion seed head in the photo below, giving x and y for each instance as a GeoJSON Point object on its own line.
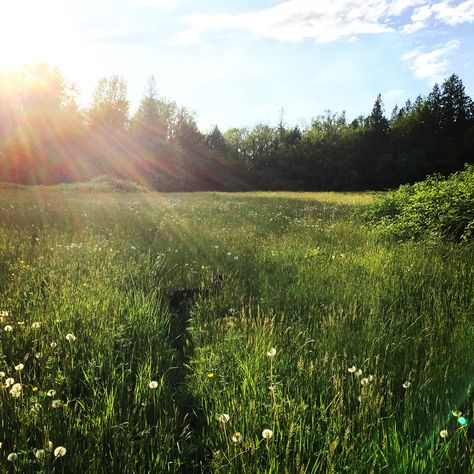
{"type": "Point", "coordinates": [36, 325]}
{"type": "Point", "coordinates": [443, 433]}
{"type": "Point", "coordinates": [59, 452]}
{"type": "Point", "coordinates": [272, 352]}
{"type": "Point", "coordinates": [16, 389]}
{"type": "Point", "coordinates": [352, 369]}
{"type": "Point", "coordinates": [267, 433]}
{"type": "Point", "coordinates": [236, 437]}
{"type": "Point", "coordinates": [70, 337]}
{"type": "Point", "coordinates": [8, 328]}
{"type": "Point", "coordinates": [406, 384]}
{"type": "Point", "coordinates": [51, 392]}
{"type": "Point", "coordinates": [56, 403]}
{"type": "Point", "coordinates": [19, 367]}
{"type": "Point", "coordinates": [12, 457]}
{"type": "Point", "coordinates": [364, 381]}
{"type": "Point", "coordinates": [224, 418]}
{"type": "Point", "coordinates": [53, 345]}
{"type": "Point", "coordinates": [40, 454]}
{"type": "Point", "coordinates": [153, 384]}
{"type": "Point", "coordinates": [358, 373]}
{"type": "Point", "coordinates": [371, 378]}
{"type": "Point", "coordinates": [9, 382]}
{"type": "Point", "coordinates": [2, 374]}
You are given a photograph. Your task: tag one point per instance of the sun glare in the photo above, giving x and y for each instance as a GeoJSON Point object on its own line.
{"type": "Point", "coordinates": [33, 31]}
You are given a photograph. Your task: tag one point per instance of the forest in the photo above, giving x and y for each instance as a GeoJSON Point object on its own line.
{"type": "Point", "coordinates": [46, 137]}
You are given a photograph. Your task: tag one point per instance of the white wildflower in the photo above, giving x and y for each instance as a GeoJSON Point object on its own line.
{"type": "Point", "coordinates": [15, 391]}
{"type": "Point", "coordinates": [60, 451]}
{"type": "Point", "coordinates": [70, 337]}
{"type": "Point", "coordinates": [443, 433]}
{"type": "Point", "coordinates": [8, 328]}
{"type": "Point", "coordinates": [153, 384]}
{"type": "Point", "coordinates": [267, 433]}
{"type": "Point", "coordinates": [272, 352]}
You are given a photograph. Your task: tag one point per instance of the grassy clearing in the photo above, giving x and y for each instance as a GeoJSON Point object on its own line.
{"type": "Point", "coordinates": [301, 278]}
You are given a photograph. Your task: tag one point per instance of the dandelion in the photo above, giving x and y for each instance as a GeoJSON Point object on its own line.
{"type": "Point", "coordinates": [406, 384]}
{"type": "Point", "coordinates": [60, 451]}
{"type": "Point", "coordinates": [236, 438]}
{"type": "Point", "coordinates": [38, 355]}
{"type": "Point", "coordinates": [8, 328]}
{"type": "Point", "coordinates": [2, 374]}
{"type": "Point", "coordinates": [15, 391]}
{"type": "Point", "coordinates": [267, 433]}
{"type": "Point", "coordinates": [224, 418]}
{"type": "Point", "coordinates": [443, 433]}
{"type": "Point", "coordinates": [371, 378]}
{"type": "Point", "coordinates": [272, 352]}
{"type": "Point", "coordinates": [19, 367]}
{"type": "Point", "coordinates": [153, 384]}
{"type": "Point", "coordinates": [56, 403]}
{"type": "Point", "coordinates": [456, 413]}
{"type": "Point", "coordinates": [358, 373]}
{"type": "Point", "coordinates": [36, 325]}
{"type": "Point", "coordinates": [364, 381]}
{"type": "Point", "coordinates": [352, 369]}
{"type": "Point", "coordinates": [70, 337]}
{"type": "Point", "coordinates": [40, 454]}
{"type": "Point", "coordinates": [236, 258]}
{"type": "Point", "coordinates": [12, 457]}
{"type": "Point", "coordinates": [210, 375]}
{"type": "Point", "coordinates": [51, 393]}
{"type": "Point", "coordinates": [10, 381]}
{"type": "Point", "coordinates": [34, 389]}
{"type": "Point", "coordinates": [53, 345]}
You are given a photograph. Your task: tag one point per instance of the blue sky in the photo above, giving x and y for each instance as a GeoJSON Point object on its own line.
{"type": "Point", "coordinates": [242, 62]}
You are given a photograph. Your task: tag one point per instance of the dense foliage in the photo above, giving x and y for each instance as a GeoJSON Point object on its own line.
{"type": "Point", "coordinates": [436, 207]}
{"type": "Point", "coordinates": [45, 137]}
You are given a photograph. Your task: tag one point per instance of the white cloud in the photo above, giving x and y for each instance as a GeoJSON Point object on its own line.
{"type": "Point", "coordinates": [433, 65]}
{"type": "Point", "coordinates": [454, 15]}
{"type": "Point", "coordinates": [421, 13]}
{"type": "Point", "coordinates": [296, 20]}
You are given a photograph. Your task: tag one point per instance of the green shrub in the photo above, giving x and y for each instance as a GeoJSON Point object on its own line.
{"type": "Point", "coordinates": [437, 207]}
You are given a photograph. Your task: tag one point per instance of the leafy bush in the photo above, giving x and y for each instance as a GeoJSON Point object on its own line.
{"type": "Point", "coordinates": [436, 207]}
{"type": "Point", "coordinates": [104, 184]}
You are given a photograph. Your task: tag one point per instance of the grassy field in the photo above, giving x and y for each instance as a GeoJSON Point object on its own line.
{"type": "Point", "coordinates": [303, 344]}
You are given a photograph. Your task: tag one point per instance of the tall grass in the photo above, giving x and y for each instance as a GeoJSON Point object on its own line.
{"type": "Point", "coordinates": [302, 278]}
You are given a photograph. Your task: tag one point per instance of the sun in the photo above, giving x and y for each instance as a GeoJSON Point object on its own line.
{"type": "Point", "coordinates": [34, 31]}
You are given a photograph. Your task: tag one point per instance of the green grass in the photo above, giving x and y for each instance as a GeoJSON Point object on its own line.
{"type": "Point", "coordinates": [303, 278]}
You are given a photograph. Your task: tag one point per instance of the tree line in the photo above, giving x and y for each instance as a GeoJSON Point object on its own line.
{"type": "Point", "coordinates": [46, 138]}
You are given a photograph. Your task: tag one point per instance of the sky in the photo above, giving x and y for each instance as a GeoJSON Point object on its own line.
{"type": "Point", "coordinates": [242, 62]}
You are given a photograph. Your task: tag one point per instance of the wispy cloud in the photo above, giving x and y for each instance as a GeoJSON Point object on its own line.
{"type": "Point", "coordinates": [296, 20]}
{"type": "Point", "coordinates": [432, 65]}
{"type": "Point", "coordinates": [454, 15]}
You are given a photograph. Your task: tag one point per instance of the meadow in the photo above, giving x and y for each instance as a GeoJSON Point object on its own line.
{"type": "Point", "coordinates": [304, 342]}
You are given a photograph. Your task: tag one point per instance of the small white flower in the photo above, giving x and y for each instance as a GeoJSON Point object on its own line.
{"type": "Point", "coordinates": [8, 328]}
{"type": "Point", "coordinates": [364, 381]}
{"type": "Point", "coordinates": [352, 369]}
{"type": "Point", "coordinates": [12, 457]}
{"type": "Point", "coordinates": [267, 434]}
{"type": "Point", "coordinates": [406, 384]}
{"type": "Point", "coordinates": [153, 384]}
{"type": "Point", "coordinates": [236, 438]}
{"type": "Point", "coordinates": [36, 325]}
{"type": "Point", "coordinates": [19, 367]}
{"type": "Point", "coordinates": [224, 418]}
{"type": "Point", "coordinates": [56, 403]}
{"type": "Point", "coordinates": [70, 337]}
{"type": "Point", "coordinates": [53, 345]}
{"type": "Point", "coordinates": [10, 381]}
{"type": "Point", "coordinates": [443, 433]}
{"type": "Point", "coordinates": [51, 393]}
{"type": "Point", "coordinates": [15, 391]}
{"type": "Point", "coordinates": [40, 453]}
{"type": "Point", "coordinates": [2, 374]}
{"type": "Point", "coordinates": [358, 373]}
{"type": "Point", "coordinates": [272, 352]}
{"type": "Point", "coordinates": [60, 451]}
